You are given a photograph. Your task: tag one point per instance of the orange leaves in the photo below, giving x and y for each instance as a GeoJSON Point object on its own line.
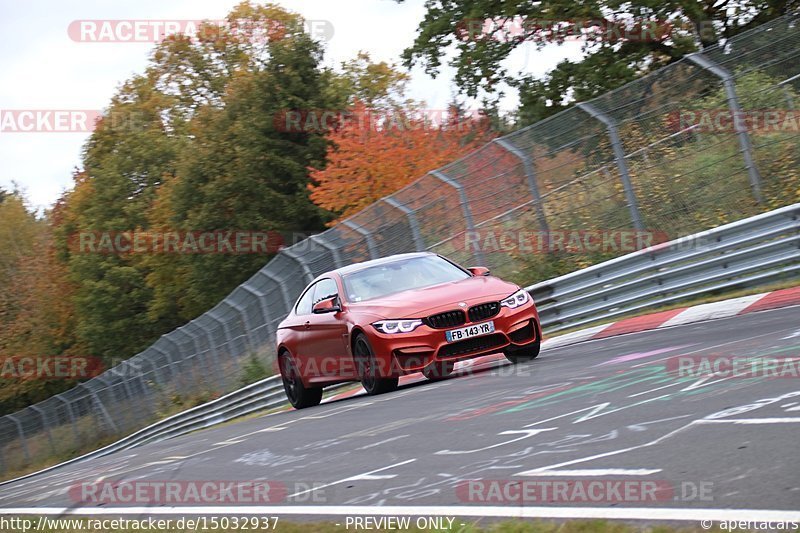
{"type": "Point", "coordinates": [377, 154]}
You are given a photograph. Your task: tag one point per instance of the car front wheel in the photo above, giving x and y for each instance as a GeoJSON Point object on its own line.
{"type": "Point", "coordinates": [367, 367]}
{"type": "Point", "coordinates": [522, 354]}
{"type": "Point", "coordinates": [438, 370]}
{"type": "Point", "coordinates": [299, 395]}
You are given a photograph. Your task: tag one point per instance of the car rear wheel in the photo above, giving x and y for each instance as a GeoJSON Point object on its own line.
{"type": "Point", "coordinates": [523, 353]}
{"type": "Point", "coordinates": [367, 367]}
{"type": "Point", "coordinates": [299, 395]}
{"type": "Point", "coordinates": [438, 370]}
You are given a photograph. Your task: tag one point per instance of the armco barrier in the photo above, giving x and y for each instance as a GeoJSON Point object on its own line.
{"type": "Point", "coordinates": [748, 252]}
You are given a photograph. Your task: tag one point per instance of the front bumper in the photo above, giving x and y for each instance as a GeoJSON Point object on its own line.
{"type": "Point", "coordinates": [411, 352]}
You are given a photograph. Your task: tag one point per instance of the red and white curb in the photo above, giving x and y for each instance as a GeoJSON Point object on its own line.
{"type": "Point", "coordinates": [681, 316]}
{"type": "Point", "coordinates": [663, 319]}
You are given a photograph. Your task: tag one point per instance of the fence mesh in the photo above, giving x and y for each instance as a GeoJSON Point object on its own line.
{"type": "Point", "coordinates": [655, 155]}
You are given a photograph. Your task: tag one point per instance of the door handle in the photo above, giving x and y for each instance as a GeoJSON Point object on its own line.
{"type": "Point", "coordinates": [307, 324]}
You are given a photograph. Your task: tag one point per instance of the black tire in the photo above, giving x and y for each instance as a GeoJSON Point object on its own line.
{"type": "Point", "coordinates": [367, 369]}
{"type": "Point", "coordinates": [522, 354]}
{"type": "Point", "coordinates": [299, 396]}
{"type": "Point", "coordinates": [438, 370]}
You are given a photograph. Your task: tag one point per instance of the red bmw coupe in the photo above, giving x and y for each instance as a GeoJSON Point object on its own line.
{"type": "Point", "coordinates": [418, 312]}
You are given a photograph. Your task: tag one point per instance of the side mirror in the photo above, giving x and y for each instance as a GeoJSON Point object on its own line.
{"type": "Point", "coordinates": [328, 305]}
{"type": "Point", "coordinates": [479, 271]}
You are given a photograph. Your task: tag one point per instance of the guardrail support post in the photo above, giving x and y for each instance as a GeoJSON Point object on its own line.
{"type": "Point", "coordinates": [622, 164]}
{"type": "Point", "coordinates": [462, 195]}
{"type": "Point", "coordinates": [307, 271]}
{"type": "Point", "coordinates": [419, 244]}
{"type": "Point", "coordinates": [741, 130]}
{"type": "Point", "coordinates": [533, 185]}
{"type": "Point", "coordinates": [373, 251]}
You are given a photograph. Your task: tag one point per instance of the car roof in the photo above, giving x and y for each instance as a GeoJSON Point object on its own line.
{"type": "Point", "coordinates": [349, 269]}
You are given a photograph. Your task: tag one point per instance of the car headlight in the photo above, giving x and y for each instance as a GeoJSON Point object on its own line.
{"type": "Point", "coordinates": [397, 326]}
{"type": "Point", "coordinates": [515, 300]}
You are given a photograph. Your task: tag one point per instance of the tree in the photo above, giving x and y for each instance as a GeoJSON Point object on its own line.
{"type": "Point", "coordinates": [485, 32]}
{"type": "Point", "coordinates": [370, 159]}
{"type": "Point", "coordinates": [243, 172]}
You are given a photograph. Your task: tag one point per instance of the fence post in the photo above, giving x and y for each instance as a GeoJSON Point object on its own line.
{"type": "Point", "coordinates": [307, 271]}
{"type": "Point", "coordinates": [337, 260]}
{"type": "Point", "coordinates": [262, 302]}
{"type": "Point", "coordinates": [619, 157]}
{"type": "Point", "coordinates": [45, 425]}
{"type": "Point", "coordinates": [172, 370]}
{"type": "Point", "coordinates": [419, 244]}
{"type": "Point", "coordinates": [741, 130]}
{"type": "Point", "coordinates": [99, 406]}
{"type": "Point", "coordinates": [286, 299]}
{"type": "Point", "coordinates": [211, 348]}
{"type": "Point", "coordinates": [248, 328]}
{"type": "Point", "coordinates": [464, 201]}
{"type": "Point", "coordinates": [71, 417]}
{"type": "Point", "coordinates": [533, 185]}
{"type": "Point", "coordinates": [21, 433]}
{"type": "Point", "coordinates": [373, 251]}
{"type": "Point", "coordinates": [226, 331]}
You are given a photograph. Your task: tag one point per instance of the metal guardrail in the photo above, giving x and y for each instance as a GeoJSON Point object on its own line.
{"type": "Point", "coordinates": [265, 394]}
{"type": "Point", "coordinates": [744, 253]}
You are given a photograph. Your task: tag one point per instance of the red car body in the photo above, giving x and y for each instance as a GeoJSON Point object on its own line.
{"type": "Point", "coordinates": [327, 343]}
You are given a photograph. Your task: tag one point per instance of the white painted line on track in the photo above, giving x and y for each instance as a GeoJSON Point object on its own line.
{"type": "Point", "coordinates": [382, 442]}
{"type": "Point", "coordinates": [790, 420]}
{"type": "Point", "coordinates": [596, 472]}
{"type": "Point", "coordinates": [611, 513]}
{"type": "Point", "coordinates": [365, 475]}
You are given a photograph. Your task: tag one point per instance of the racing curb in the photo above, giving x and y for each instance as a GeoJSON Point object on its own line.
{"type": "Point", "coordinates": [681, 316]}
{"type": "Point", "coordinates": [662, 319]}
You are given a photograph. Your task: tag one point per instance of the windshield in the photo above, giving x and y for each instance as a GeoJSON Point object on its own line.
{"type": "Point", "coordinates": [401, 275]}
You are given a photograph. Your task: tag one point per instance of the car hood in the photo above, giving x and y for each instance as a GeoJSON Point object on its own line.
{"type": "Point", "coordinates": [418, 303]}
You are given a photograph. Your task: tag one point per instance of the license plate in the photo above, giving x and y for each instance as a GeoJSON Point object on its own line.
{"type": "Point", "coordinates": [470, 331]}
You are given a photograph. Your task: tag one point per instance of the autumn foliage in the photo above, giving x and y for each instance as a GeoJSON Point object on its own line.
{"type": "Point", "coordinates": [369, 159]}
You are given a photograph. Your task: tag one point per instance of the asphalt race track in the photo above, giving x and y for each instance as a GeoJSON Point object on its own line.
{"type": "Point", "coordinates": [607, 410]}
